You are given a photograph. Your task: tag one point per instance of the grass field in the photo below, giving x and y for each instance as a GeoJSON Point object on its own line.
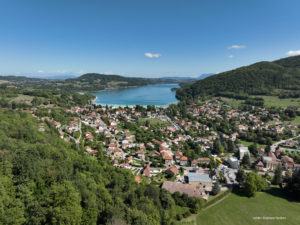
{"type": "Point", "coordinates": [22, 99]}
{"type": "Point", "coordinates": [268, 101]}
{"type": "Point", "coordinates": [296, 120]}
{"type": "Point", "coordinates": [275, 101]}
{"type": "Point", "coordinates": [247, 144]}
{"type": "Point", "coordinates": [153, 122]}
{"type": "Point", "coordinates": [237, 209]}
{"type": "Point", "coordinates": [232, 102]}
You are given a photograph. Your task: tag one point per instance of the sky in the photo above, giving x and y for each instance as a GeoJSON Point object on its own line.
{"type": "Point", "coordinates": [145, 38]}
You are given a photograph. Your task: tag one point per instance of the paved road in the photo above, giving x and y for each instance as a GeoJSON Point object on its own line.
{"type": "Point", "coordinates": [275, 145]}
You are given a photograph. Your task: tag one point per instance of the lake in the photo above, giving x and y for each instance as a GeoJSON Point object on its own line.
{"type": "Point", "coordinates": [157, 94]}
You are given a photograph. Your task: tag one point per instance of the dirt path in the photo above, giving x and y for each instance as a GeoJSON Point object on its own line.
{"type": "Point", "coordinates": [193, 218]}
{"type": "Point", "coordinates": [217, 202]}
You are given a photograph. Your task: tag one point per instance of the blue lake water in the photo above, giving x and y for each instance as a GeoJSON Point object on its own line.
{"type": "Point", "coordinates": [157, 94]}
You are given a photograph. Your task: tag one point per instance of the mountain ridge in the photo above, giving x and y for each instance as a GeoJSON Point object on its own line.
{"type": "Point", "coordinates": [280, 78]}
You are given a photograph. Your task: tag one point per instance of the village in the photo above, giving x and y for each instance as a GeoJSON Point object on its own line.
{"type": "Point", "coordinates": [190, 153]}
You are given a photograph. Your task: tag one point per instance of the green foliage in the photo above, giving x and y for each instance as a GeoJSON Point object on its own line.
{"type": "Point", "coordinates": [277, 179]}
{"type": "Point", "coordinates": [43, 180]}
{"type": "Point", "coordinates": [216, 189]}
{"type": "Point", "coordinates": [254, 183]}
{"type": "Point", "coordinates": [263, 78]}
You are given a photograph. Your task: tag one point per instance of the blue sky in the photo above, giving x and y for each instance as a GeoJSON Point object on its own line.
{"type": "Point", "coordinates": [148, 38]}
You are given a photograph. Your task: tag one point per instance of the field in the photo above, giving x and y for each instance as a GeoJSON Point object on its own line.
{"type": "Point", "coordinates": [247, 144]}
{"type": "Point", "coordinates": [275, 101]}
{"type": "Point", "coordinates": [237, 209]}
{"type": "Point", "coordinates": [296, 120]}
{"type": "Point", "coordinates": [22, 99]}
{"type": "Point", "coordinates": [269, 101]}
{"type": "Point", "coordinates": [153, 122]}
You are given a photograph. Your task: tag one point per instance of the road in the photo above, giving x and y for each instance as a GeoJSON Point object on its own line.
{"type": "Point", "coordinates": [275, 145]}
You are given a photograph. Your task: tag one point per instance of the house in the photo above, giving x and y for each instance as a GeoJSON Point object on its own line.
{"type": "Point", "coordinates": [146, 171]}
{"type": "Point", "coordinates": [287, 162]}
{"type": "Point", "coordinates": [199, 178]}
{"type": "Point", "coordinates": [183, 161]}
{"type": "Point", "coordinates": [178, 156]}
{"type": "Point", "coordinates": [260, 166]}
{"type": "Point", "coordinates": [205, 160]}
{"type": "Point", "coordinates": [57, 125]}
{"type": "Point", "coordinates": [272, 165]}
{"type": "Point", "coordinates": [141, 155]}
{"type": "Point", "coordinates": [189, 189]}
{"type": "Point", "coordinates": [233, 162]}
{"type": "Point", "coordinates": [168, 160]}
{"type": "Point", "coordinates": [194, 163]}
{"type": "Point", "coordinates": [243, 151]}
{"type": "Point", "coordinates": [174, 170]}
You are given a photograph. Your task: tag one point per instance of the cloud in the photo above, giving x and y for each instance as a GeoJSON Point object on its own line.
{"type": "Point", "coordinates": [152, 56]}
{"type": "Point", "coordinates": [230, 56]}
{"type": "Point", "coordinates": [236, 47]}
{"type": "Point", "coordinates": [40, 71]}
{"type": "Point", "coordinates": [291, 53]}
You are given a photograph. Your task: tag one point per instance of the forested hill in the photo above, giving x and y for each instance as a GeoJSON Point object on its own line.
{"type": "Point", "coordinates": [96, 81]}
{"type": "Point", "coordinates": [280, 78]}
{"type": "Point", "coordinates": [44, 180]}
{"type": "Point", "coordinates": [86, 82]}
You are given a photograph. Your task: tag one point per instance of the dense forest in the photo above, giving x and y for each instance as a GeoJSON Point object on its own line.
{"type": "Point", "coordinates": [43, 180]}
{"type": "Point", "coordinates": [280, 78]}
{"type": "Point", "coordinates": [84, 83]}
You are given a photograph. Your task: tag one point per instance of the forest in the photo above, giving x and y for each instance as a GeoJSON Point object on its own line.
{"type": "Point", "coordinates": [279, 78]}
{"type": "Point", "coordinates": [44, 180]}
{"type": "Point", "coordinates": [85, 83]}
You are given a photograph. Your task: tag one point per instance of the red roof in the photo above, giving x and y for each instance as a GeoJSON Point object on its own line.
{"type": "Point", "coordinates": [138, 179]}
{"type": "Point", "coordinates": [174, 170]}
{"type": "Point", "coordinates": [183, 158]}
{"type": "Point", "coordinates": [168, 158]}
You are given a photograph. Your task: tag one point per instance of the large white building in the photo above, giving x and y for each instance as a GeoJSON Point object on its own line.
{"type": "Point", "coordinates": [243, 151]}
{"type": "Point", "coordinates": [233, 162]}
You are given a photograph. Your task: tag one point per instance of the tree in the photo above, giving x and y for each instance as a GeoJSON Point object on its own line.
{"type": "Point", "coordinates": [216, 189]}
{"type": "Point", "coordinates": [253, 149]}
{"type": "Point", "coordinates": [240, 176]}
{"type": "Point", "coordinates": [254, 183]}
{"type": "Point", "coordinates": [218, 148]}
{"type": "Point", "coordinates": [246, 160]}
{"type": "Point", "coordinates": [64, 204]}
{"type": "Point", "coordinates": [293, 186]}
{"type": "Point", "coordinates": [277, 179]}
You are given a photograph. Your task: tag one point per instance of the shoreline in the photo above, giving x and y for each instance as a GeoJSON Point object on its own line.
{"type": "Point", "coordinates": [94, 101]}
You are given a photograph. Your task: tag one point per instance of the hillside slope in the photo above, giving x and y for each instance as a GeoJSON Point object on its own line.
{"type": "Point", "coordinates": [86, 82]}
{"type": "Point", "coordinates": [280, 78]}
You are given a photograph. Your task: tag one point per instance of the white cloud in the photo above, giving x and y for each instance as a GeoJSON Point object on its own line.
{"type": "Point", "coordinates": [152, 55]}
{"type": "Point", "coordinates": [291, 53]}
{"type": "Point", "coordinates": [230, 56]}
{"type": "Point", "coordinates": [40, 71]}
{"type": "Point", "coordinates": [236, 47]}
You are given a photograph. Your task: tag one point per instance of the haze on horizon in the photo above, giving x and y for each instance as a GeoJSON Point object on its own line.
{"type": "Point", "coordinates": [144, 38]}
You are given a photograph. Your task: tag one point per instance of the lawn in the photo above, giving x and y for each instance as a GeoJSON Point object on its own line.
{"type": "Point", "coordinates": [153, 122]}
{"type": "Point", "coordinates": [247, 144]}
{"type": "Point", "coordinates": [275, 101]}
{"type": "Point", "coordinates": [296, 120]}
{"type": "Point", "coordinates": [268, 101]}
{"type": "Point", "coordinates": [234, 103]}
{"type": "Point", "coordinates": [237, 209]}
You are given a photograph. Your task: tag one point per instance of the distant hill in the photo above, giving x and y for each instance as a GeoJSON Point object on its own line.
{"type": "Point", "coordinates": [200, 77]}
{"type": "Point", "coordinates": [204, 75]}
{"type": "Point", "coordinates": [280, 78]}
{"type": "Point", "coordinates": [86, 82]}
